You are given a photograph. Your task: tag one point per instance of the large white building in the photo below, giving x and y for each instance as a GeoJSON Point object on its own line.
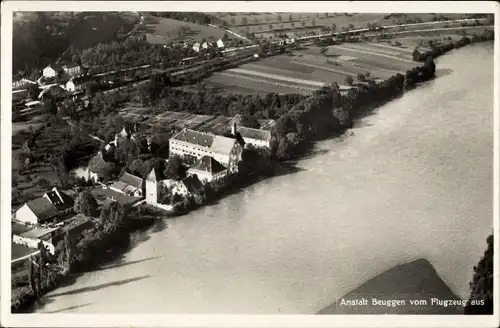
{"type": "Point", "coordinates": [226, 151]}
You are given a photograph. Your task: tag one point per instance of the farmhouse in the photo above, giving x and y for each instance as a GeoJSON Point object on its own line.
{"type": "Point", "coordinates": [49, 206]}
{"type": "Point", "coordinates": [72, 69]}
{"type": "Point", "coordinates": [32, 238]}
{"type": "Point", "coordinates": [187, 186]}
{"type": "Point", "coordinates": [207, 169]}
{"type": "Point", "coordinates": [196, 47]}
{"type": "Point", "coordinates": [255, 137]}
{"type": "Point", "coordinates": [196, 144]}
{"type": "Point", "coordinates": [129, 185]}
{"type": "Point", "coordinates": [100, 168]}
{"type": "Point", "coordinates": [52, 70]}
{"type": "Point", "coordinates": [220, 43]}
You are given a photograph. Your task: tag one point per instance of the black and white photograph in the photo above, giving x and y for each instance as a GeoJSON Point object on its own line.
{"type": "Point", "coordinates": [275, 158]}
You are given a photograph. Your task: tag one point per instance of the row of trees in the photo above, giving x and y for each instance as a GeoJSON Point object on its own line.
{"type": "Point", "coordinates": [442, 48]}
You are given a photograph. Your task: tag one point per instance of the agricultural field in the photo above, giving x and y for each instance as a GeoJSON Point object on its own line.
{"type": "Point", "coordinates": [301, 24]}
{"type": "Point", "coordinates": [161, 30]}
{"type": "Point", "coordinates": [164, 123]}
{"type": "Point", "coordinates": [310, 68]}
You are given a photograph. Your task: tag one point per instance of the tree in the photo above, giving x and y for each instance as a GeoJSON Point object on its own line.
{"type": "Point", "coordinates": [361, 77]}
{"type": "Point", "coordinates": [481, 297]}
{"type": "Point", "coordinates": [50, 105]}
{"type": "Point", "coordinates": [303, 23]}
{"type": "Point", "coordinates": [244, 21]}
{"type": "Point", "coordinates": [85, 203]}
{"type": "Point", "coordinates": [333, 27]}
{"type": "Point", "coordinates": [175, 169]}
{"type": "Point", "coordinates": [279, 18]}
{"type": "Point", "coordinates": [233, 20]}
{"type": "Point", "coordinates": [270, 26]}
{"type": "Point", "coordinates": [33, 91]}
{"type": "Point", "coordinates": [350, 26]}
{"type": "Point", "coordinates": [323, 50]}
{"type": "Point", "coordinates": [349, 80]}
{"type": "Point", "coordinates": [313, 22]}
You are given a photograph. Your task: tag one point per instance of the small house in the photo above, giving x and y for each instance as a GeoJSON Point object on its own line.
{"type": "Point", "coordinates": [45, 208]}
{"type": "Point", "coordinates": [51, 71]}
{"type": "Point", "coordinates": [220, 44]}
{"type": "Point", "coordinates": [196, 47]}
{"type": "Point", "coordinates": [207, 169]}
{"type": "Point", "coordinates": [130, 185]}
{"type": "Point", "coordinates": [187, 186]}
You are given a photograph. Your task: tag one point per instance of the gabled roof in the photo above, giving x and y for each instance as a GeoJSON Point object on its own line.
{"type": "Point", "coordinates": [192, 183]}
{"type": "Point", "coordinates": [59, 199]}
{"type": "Point", "coordinates": [208, 164]}
{"type": "Point", "coordinates": [19, 228]}
{"type": "Point", "coordinates": [195, 138]}
{"type": "Point", "coordinates": [42, 208]}
{"type": "Point", "coordinates": [70, 66]}
{"type": "Point", "coordinates": [131, 180]}
{"type": "Point", "coordinates": [256, 134]}
{"type": "Point", "coordinates": [38, 233]}
{"type": "Point", "coordinates": [155, 175]}
{"type": "Point", "coordinates": [55, 67]}
{"type": "Point", "coordinates": [215, 143]}
{"type": "Point", "coordinates": [100, 166]}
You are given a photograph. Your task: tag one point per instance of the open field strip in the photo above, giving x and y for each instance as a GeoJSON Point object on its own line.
{"type": "Point", "coordinates": [277, 77]}
{"type": "Point", "coordinates": [367, 47]}
{"type": "Point", "coordinates": [238, 85]}
{"type": "Point", "coordinates": [270, 81]}
{"type": "Point", "coordinates": [438, 31]}
{"type": "Point", "coordinates": [315, 74]}
{"type": "Point", "coordinates": [371, 53]}
{"type": "Point", "coordinates": [347, 68]}
{"type": "Point", "coordinates": [387, 46]}
{"type": "Point", "coordinates": [339, 70]}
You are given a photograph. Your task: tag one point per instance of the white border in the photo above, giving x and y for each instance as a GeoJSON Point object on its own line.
{"type": "Point", "coordinates": [89, 320]}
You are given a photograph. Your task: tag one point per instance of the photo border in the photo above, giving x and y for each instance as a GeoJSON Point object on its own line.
{"type": "Point", "coordinates": [108, 320]}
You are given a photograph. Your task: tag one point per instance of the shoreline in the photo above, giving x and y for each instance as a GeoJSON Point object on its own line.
{"type": "Point", "coordinates": [298, 151]}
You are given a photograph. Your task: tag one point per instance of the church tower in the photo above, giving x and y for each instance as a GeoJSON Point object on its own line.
{"type": "Point", "coordinates": [152, 187]}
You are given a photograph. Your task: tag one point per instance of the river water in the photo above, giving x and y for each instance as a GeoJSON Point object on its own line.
{"type": "Point", "coordinates": [414, 181]}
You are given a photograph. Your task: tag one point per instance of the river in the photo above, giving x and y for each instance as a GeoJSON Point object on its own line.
{"type": "Point", "coordinates": [413, 181]}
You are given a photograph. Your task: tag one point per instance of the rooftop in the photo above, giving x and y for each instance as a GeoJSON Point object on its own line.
{"type": "Point", "coordinates": [131, 180]}
{"type": "Point", "coordinates": [192, 183]}
{"type": "Point", "coordinates": [208, 164]}
{"type": "Point", "coordinates": [37, 233]}
{"type": "Point", "coordinates": [217, 144]}
{"type": "Point", "coordinates": [42, 208]}
{"type": "Point", "coordinates": [18, 251]}
{"type": "Point", "coordinates": [106, 195]}
{"type": "Point", "coordinates": [18, 228]}
{"type": "Point", "coordinates": [256, 134]}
